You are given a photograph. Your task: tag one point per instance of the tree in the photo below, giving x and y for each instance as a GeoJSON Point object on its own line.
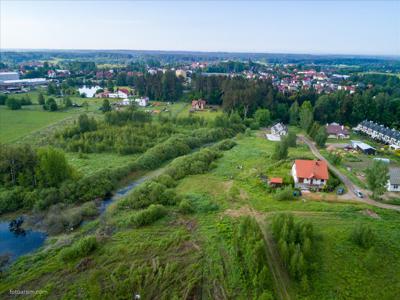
{"type": "Point", "coordinates": [3, 99]}
{"type": "Point", "coordinates": [67, 102]}
{"type": "Point", "coordinates": [85, 124]}
{"type": "Point", "coordinates": [13, 104]}
{"type": "Point", "coordinates": [281, 150]}
{"type": "Point", "coordinates": [51, 105]}
{"type": "Point", "coordinates": [306, 115]}
{"type": "Point", "coordinates": [106, 105]}
{"type": "Point", "coordinates": [321, 137]}
{"type": "Point", "coordinates": [53, 168]}
{"type": "Point", "coordinates": [263, 117]}
{"type": "Point", "coordinates": [52, 89]}
{"type": "Point", "coordinates": [377, 177]}
{"type": "Point", "coordinates": [41, 99]}
{"type": "Point", "coordinates": [291, 139]}
{"type": "Point", "coordinates": [110, 85]}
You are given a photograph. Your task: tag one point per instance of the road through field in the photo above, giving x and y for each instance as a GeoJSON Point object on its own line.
{"type": "Point", "coordinates": [346, 181]}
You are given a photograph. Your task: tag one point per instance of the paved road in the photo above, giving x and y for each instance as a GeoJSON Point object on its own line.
{"type": "Point", "coordinates": [350, 185]}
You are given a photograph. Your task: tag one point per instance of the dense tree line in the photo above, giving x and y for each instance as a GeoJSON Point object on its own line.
{"type": "Point", "coordinates": [160, 86]}
{"type": "Point", "coordinates": [381, 102]}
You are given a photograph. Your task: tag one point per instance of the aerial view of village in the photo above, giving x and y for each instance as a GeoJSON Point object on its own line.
{"type": "Point", "coordinates": [170, 152]}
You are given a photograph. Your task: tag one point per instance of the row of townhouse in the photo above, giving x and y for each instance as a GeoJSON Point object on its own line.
{"type": "Point", "coordinates": [379, 132]}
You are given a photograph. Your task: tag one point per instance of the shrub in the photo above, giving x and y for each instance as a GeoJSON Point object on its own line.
{"type": "Point", "coordinates": [186, 207]}
{"type": "Point", "coordinates": [11, 200]}
{"type": "Point", "coordinates": [285, 193]}
{"type": "Point", "coordinates": [254, 126]}
{"type": "Point", "coordinates": [363, 236]}
{"type": "Point", "coordinates": [281, 150]}
{"type": "Point", "coordinates": [148, 215]}
{"type": "Point", "coordinates": [150, 192]}
{"type": "Point", "coordinates": [13, 104]}
{"type": "Point", "coordinates": [80, 249]}
{"type": "Point", "coordinates": [291, 139]}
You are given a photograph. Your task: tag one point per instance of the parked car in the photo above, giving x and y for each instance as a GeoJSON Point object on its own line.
{"type": "Point", "coordinates": [340, 191]}
{"type": "Point", "coordinates": [358, 194]}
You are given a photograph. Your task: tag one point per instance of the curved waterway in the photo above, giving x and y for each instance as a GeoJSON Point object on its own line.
{"type": "Point", "coordinates": [15, 243]}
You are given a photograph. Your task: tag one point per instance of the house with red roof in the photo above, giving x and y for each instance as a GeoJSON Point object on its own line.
{"type": "Point", "coordinates": [310, 174]}
{"type": "Point", "coordinates": [275, 181]}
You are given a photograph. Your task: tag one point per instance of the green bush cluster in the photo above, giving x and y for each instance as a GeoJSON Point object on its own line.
{"type": "Point", "coordinates": [80, 249]}
{"type": "Point", "coordinates": [285, 193]}
{"type": "Point", "coordinates": [148, 215]}
{"type": "Point", "coordinates": [250, 252]}
{"type": "Point", "coordinates": [196, 163]}
{"type": "Point", "coordinates": [296, 244]}
{"type": "Point", "coordinates": [186, 206]}
{"type": "Point", "coordinates": [91, 136]}
{"type": "Point", "coordinates": [150, 192]}
{"type": "Point", "coordinates": [363, 236]}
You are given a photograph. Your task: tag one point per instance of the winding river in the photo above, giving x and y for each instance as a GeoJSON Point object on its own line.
{"type": "Point", "coordinates": [15, 243]}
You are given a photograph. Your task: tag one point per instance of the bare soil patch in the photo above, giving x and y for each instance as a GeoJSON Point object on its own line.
{"type": "Point", "coordinates": [370, 213]}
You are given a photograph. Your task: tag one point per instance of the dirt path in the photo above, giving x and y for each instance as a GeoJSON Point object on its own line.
{"type": "Point", "coordinates": [349, 185]}
{"type": "Point", "coordinates": [279, 275]}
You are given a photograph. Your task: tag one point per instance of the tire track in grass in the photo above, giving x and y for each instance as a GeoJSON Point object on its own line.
{"type": "Point", "coordinates": [280, 276]}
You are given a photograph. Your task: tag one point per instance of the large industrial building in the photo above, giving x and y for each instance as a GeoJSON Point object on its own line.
{"type": "Point", "coordinates": [8, 76]}
{"type": "Point", "coordinates": [9, 81]}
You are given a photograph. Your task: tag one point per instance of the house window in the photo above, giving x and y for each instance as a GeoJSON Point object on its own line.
{"type": "Point", "coordinates": [395, 186]}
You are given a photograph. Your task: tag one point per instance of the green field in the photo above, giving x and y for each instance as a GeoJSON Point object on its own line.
{"type": "Point", "coordinates": [15, 124]}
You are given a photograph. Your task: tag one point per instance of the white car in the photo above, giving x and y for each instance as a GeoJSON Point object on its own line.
{"type": "Point", "coordinates": [358, 194]}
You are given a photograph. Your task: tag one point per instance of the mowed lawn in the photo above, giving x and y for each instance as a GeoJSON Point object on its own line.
{"type": "Point", "coordinates": [15, 124]}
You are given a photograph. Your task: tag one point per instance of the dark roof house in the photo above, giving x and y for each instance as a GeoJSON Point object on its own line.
{"type": "Point", "coordinates": [337, 130]}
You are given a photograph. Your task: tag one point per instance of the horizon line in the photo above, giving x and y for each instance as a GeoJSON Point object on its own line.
{"type": "Point", "coordinates": [201, 51]}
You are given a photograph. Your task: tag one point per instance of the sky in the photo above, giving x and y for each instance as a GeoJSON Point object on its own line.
{"type": "Point", "coordinates": [314, 27]}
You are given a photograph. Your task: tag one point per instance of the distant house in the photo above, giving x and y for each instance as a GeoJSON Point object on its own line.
{"type": "Point", "coordinates": [365, 148]}
{"type": "Point", "coordinates": [143, 101]}
{"type": "Point", "coordinates": [275, 182]}
{"type": "Point", "coordinates": [125, 102]}
{"type": "Point", "coordinates": [308, 174]}
{"type": "Point", "coordinates": [279, 129]}
{"type": "Point", "coordinates": [379, 132]}
{"type": "Point", "coordinates": [335, 130]}
{"type": "Point", "coordinates": [199, 104]}
{"type": "Point", "coordinates": [122, 93]}
{"type": "Point", "coordinates": [393, 184]}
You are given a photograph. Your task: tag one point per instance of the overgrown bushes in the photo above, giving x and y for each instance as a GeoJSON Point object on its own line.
{"type": "Point", "coordinates": [363, 236]}
{"type": "Point", "coordinates": [296, 245]}
{"type": "Point", "coordinates": [285, 193]}
{"type": "Point", "coordinates": [147, 216]}
{"type": "Point", "coordinates": [150, 192]}
{"type": "Point", "coordinates": [250, 252]}
{"type": "Point", "coordinates": [80, 249]}
{"type": "Point", "coordinates": [60, 218]}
